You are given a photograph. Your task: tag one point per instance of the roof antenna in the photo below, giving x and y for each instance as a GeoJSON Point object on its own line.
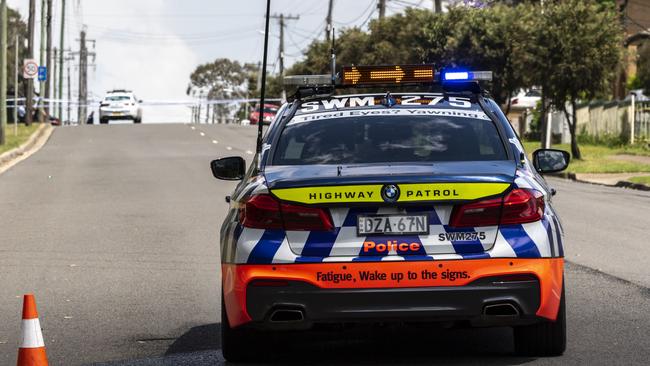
{"type": "Point", "coordinates": [260, 126]}
{"type": "Point", "coordinates": [333, 56]}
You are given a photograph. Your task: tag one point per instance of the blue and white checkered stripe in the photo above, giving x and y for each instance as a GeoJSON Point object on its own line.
{"type": "Point", "coordinates": [541, 239]}
{"type": "Point", "coordinates": [550, 222]}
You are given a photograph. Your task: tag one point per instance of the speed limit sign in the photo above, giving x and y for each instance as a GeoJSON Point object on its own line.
{"type": "Point", "coordinates": [30, 68]}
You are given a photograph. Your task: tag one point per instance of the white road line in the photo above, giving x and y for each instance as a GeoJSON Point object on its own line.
{"type": "Point", "coordinates": [192, 127]}
{"type": "Point", "coordinates": [229, 148]}
{"type": "Point", "coordinates": [202, 134]}
{"type": "Point", "coordinates": [215, 141]}
{"type": "Point", "coordinates": [249, 152]}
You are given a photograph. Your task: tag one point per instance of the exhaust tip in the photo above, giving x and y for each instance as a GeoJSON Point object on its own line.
{"type": "Point", "coordinates": [287, 315]}
{"type": "Point", "coordinates": [501, 309]}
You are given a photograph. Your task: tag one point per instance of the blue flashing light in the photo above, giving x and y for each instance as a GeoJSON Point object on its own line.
{"type": "Point", "coordinates": [456, 75]}
{"type": "Point", "coordinates": [451, 76]}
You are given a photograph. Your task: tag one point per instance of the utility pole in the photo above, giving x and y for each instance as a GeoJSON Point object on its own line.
{"type": "Point", "coordinates": [69, 59]}
{"type": "Point", "coordinates": [15, 85]}
{"type": "Point", "coordinates": [328, 20]}
{"type": "Point", "coordinates": [48, 55]}
{"type": "Point", "coordinates": [61, 44]}
{"type": "Point", "coordinates": [3, 71]}
{"type": "Point", "coordinates": [41, 86]}
{"type": "Point", "coordinates": [381, 5]}
{"type": "Point", "coordinates": [83, 77]}
{"type": "Point", "coordinates": [83, 83]}
{"type": "Point", "coordinates": [207, 108]}
{"type": "Point", "coordinates": [198, 109]}
{"type": "Point", "coordinates": [437, 6]}
{"type": "Point", "coordinates": [281, 18]}
{"type": "Point", "coordinates": [29, 85]}
{"type": "Point", "coordinates": [52, 88]}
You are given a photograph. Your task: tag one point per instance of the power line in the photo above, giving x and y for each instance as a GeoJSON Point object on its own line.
{"type": "Point", "coordinates": [368, 18]}
{"type": "Point", "coordinates": [363, 13]}
{"type": "Point", "coordinates": [150, 35]}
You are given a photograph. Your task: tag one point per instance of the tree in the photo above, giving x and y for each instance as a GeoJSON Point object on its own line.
{"type": "Point", "coordinates": [218, 78]}
{"type": "Point", "coordinates": [642, 79]}
{"type": "Point", "coordinates": [494, 38]}
{"type": "Point", "coordinates": [577, 48]}
{"type": "Point", "coordinates": [490, 38]}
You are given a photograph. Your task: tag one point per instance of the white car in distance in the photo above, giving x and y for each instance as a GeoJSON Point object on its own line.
{"type": "Point", "coordinates": [120, 104]}
{"type": "Point", "coordinates": [526, 99]}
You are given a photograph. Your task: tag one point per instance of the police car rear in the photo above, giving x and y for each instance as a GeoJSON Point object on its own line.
{"type": "Point", "coordinates": [120, 104]}
{"type": "Point", "coordinates": [404, 207]}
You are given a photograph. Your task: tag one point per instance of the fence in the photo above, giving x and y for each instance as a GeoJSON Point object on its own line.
{"type": "Point", "coordinates": [642, 121]}
{"type": "Point", "coordinates": [599, 119]}
{"type": "Point", "coordinates": [615, 119]}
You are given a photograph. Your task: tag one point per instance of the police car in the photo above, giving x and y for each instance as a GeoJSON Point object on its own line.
{"type": "Point", "coordinates": [404, 207]}
{"type": "Point", "coordinates": [120, 104]}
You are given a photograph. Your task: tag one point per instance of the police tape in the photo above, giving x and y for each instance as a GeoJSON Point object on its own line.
{"type": "Point", "coordinates": [189, 102]}
{"type": "Point", "coordinates": [372, 193]}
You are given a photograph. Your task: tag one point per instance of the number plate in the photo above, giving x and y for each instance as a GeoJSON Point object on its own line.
{"type": "Point", "coordinates": [392, 225]}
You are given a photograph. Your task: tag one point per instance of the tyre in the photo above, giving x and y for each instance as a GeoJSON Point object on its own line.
{"type": "Point", "coordinates": [137, 120]}
{"type": "Point", "coordinates": [544, 339]}
{"type": "Point", "coordinates": [238, 345]}
{"type": "Point", "coordinates": [103, 121]}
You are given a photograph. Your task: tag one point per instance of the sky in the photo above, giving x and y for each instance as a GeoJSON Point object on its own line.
{"type": "Point", "coordinates": [152, 46]}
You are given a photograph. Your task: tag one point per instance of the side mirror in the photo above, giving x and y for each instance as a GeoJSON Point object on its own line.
{"type": "Point", "coordinates": [550, 160]}
{"type": "Point", "coordinates": [230, 168]}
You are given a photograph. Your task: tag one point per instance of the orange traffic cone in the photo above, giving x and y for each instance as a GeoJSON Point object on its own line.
{"type": "Point", "coordinates": [32, 348]}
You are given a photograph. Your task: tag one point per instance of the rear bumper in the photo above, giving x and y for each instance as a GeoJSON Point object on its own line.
{"type": "Point", "coordinates": [263, 295]}
{"type": "Point", "coordinates": [122, 114]}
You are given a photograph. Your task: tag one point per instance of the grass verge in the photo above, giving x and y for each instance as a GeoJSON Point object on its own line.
{"type": "Point", "coordinates": [600, 158]}
{"type": "Point", "coordinates": [641, 180]}
{"type": "Point", "coordinates": [13, 141]}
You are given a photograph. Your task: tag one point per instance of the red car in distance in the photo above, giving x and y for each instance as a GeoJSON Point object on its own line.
{"type": "Point", "coordinates": [270, 110]}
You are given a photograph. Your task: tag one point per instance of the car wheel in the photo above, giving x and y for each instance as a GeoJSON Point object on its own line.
{"type": "Point", "coordinates": [544, 339]}
{"type": "Point", "coordinates": [238, 345]}
{"type": "Point", "coordinates": [137, 120]}
{"type": "Point", "coordinates": [103, 121]}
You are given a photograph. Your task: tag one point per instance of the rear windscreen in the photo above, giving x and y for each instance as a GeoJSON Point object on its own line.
{"type": "Point", "coordinates": [388, 139]}
{"type": "Point", "coordinates": [117, 98]}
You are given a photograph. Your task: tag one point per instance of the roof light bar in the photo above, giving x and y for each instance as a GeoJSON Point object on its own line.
{"type": "Point", "coordinates": [451, 76]}
{"type": "Point", "coordinates": [392, 74]}
{"type": "Point", "coordinates": [386, 75]}
{"type": "Point", "coordinates": [308, 80]}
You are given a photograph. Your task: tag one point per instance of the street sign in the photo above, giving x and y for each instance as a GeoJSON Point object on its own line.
{"type": "Point", "coordinates": [30, 68]}
{"type": "Point", "coordinates": [42, 73]}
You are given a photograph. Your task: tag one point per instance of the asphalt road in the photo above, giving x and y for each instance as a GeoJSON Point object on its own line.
{"type": "Point", "coordinates": [115, 230]}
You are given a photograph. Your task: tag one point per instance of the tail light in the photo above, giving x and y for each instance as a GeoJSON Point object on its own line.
{"type": "Point", "coordinates": [265, 212]}
{"type": "Point", "coordinates": [515, 101]}
{"type": "Point", "coordinates": [518, 207]}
